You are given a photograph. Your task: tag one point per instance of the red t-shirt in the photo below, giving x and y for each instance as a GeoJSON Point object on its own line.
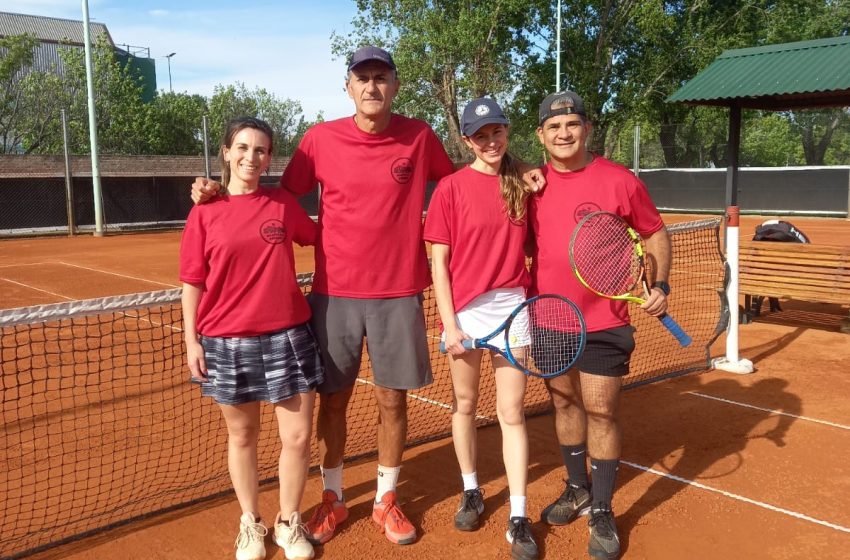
{"type": "Point", "coordinates": [554, 214]}
{"type": "Point", "coordinates": [240, 249]}
{"type": "Point", "coordinates": [468, 214]}
{"type": "Point", "coordinates": [370, 216]}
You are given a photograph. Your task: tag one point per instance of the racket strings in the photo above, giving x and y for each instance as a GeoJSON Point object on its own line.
{"type": "Point", "coordinates": [604, 255]}
{"type": "Point", "coordinates": [547, 336]}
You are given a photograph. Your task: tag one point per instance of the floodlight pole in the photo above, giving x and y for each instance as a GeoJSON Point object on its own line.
{"type": "Point", "coordinates": [558, 51]}
{"type": "Point", "coordinates": [168, 56]}
{"type": "Point", "coordinates": [95, 166]}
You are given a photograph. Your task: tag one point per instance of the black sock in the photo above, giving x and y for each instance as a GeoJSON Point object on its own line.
{"type": "Point", "coordinates": [604, 477]}
{"type": "Point", "coordinates": [575, 459]}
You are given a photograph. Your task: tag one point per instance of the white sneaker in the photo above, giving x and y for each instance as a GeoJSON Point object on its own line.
{"type": "Point", "coordinates": [292, 537]}
{"type": "Point", "coordinates": [249, 543]}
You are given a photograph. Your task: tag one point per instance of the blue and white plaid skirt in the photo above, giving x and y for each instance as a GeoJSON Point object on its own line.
{"type": "Point", "coordinates": [271, 367]}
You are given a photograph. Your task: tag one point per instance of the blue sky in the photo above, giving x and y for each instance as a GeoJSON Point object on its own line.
{"type": "Point", "coordinates": [283, 46]}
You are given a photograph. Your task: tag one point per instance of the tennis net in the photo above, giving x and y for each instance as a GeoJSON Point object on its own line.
{"type": "Point", "coordinates": [102, 428]}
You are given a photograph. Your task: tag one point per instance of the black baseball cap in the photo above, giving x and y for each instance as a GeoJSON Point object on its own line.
{"type": "Point", "coordinates": [366, 54]}
{"type": "Point", "coordinates": [561, 103]}
{"type": "Point", "coordinates": [480, 112]}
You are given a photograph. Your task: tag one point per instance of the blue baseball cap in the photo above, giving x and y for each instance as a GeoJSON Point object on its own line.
{"type": "Point", "coordinates": [480, 112]}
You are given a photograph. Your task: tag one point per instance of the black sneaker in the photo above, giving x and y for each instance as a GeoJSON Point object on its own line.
{"type": "Point", "coordinates": [522, 542]}
{"type": "Point", "coordinates": [573, 502]}
{"type": "Point", "coordinates": [604, 542]}
{"type": "Point", "coordinates": [471, 507]}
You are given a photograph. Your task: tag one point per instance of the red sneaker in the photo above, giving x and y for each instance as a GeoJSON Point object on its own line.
{"type": "Point", "coordinates": [392, 521]}
{"type": "Point", "coordinates": [327, 517]}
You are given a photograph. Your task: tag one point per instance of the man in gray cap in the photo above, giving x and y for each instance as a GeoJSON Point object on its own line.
{"type": "Point", "coordinates": [586, 399]}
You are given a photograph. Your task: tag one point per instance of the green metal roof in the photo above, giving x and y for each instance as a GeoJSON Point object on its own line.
{"type": "Point", "coordinates": [784, 76]}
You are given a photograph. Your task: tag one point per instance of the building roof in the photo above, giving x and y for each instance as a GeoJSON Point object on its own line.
{"type": "Point", "coordinates": [50, 30]}
{"type": "Point", "coordinates": [776, 77]}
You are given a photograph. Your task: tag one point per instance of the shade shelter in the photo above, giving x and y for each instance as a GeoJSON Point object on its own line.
{"type": "Point", "coordinates": [800, 75]}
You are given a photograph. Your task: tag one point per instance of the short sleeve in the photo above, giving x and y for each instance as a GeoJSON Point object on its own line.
{"type": "Point", "coordinates": [643, 216]}
{"type": "Point", "coordinates": [193, 262]}
{"type": "Point", "coordinates": [438, 220]}
{"type": "Point", "coordinates": [439, 163]}
{"type": "Point", "coordinates": [304, 229]}
{"type": "Point", "coordinates": [299, 177]}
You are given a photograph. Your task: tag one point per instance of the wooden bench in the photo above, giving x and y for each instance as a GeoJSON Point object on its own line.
{"type": "Point", "coordinates": [804, 271]}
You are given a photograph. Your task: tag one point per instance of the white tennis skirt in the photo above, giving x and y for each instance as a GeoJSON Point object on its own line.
{"type": "Point", "coordinates": [487, 312]}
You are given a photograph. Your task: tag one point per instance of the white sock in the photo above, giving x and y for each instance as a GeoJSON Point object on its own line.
{"type": "Point", "coordinates": [387, 479]}
{"type": "Point", "coordinates": [332, 480]}
{"type": "Point", "coordinates": [517, 506]}
{"type": "Point", "coordinates": [470, 481]}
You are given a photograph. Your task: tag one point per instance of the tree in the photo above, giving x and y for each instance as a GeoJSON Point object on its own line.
{"type": "Point", "coordinates": [28, 101]}
{"type": "Point", "coordinates": [178, 123]}
{"type": "Point", "coordinates": [283, 115]}
{"type": "Point", "coordinates": [123, 118]}
{"type": "Point", "coordinates": [449, 52]}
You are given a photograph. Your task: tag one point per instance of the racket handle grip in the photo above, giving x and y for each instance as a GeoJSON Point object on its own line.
{"type": "Point", "coordinates": [468, 343]}
{"type": "Point", "coordinates": [675, 330]}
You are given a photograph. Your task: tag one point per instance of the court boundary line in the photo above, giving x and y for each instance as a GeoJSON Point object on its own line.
{"type": "Point", "coordinates": [689, 482]}
{"type": "Point", "coordinates": [770, 410]}
{"type": "Point", "coordinates": [738, 497]}
{"type": "Point", "coordinates": [34, 288]}
{"type": "Point", "coordinates": [426, 400]}
{"type": "Point", "coordinates": [119, 275]}
{"type": "Point", "coordinates": [25, 264]}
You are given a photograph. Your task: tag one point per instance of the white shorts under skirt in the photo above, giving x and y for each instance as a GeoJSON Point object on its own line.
{"type": "Point", "coordinates": [487, 312]}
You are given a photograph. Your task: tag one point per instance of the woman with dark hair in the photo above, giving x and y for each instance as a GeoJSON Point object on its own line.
{"type": "Point", "coordinates": [246, 329]}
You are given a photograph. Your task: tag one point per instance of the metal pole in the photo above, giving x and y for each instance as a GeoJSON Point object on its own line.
{"type": "Point", "coordinates": [69, 185]}
{"type": "Point", "coordinates": [168, 56]}
{"type": "Point", "coordinates": [206, 150]}
{"type": "Point", "coordinates": [558, 51]}
{"type": "Point", "coordinates": [636, 156]}
{"type": "Point", "coordinates": [95, 166]}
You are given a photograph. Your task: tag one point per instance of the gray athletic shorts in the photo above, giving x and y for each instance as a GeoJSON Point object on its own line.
{"type": "Point", "coordinates": [394, 329]}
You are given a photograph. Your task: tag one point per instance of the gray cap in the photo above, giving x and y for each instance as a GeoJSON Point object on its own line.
{"type": "Point", "coordinates": [370, 53]}
{"type": "Point", "coordinates": [561, 103]}
{"type": "Point", "coordinates": [480, 112]}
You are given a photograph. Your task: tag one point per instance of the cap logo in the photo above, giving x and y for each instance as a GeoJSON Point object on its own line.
{"type": "Point", "coordinates": [482, 110]}
{"type": "Point", "coordinates": [562, 104]}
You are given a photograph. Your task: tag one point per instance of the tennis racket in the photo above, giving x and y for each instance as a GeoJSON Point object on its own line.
{"type": "Point", "coordinates": [543, 336]}
{"type": "Point", "coordinates": [607, 257]}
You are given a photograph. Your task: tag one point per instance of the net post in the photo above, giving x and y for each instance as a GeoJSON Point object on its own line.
{"type": "Point", "coordinates": [732, 362]}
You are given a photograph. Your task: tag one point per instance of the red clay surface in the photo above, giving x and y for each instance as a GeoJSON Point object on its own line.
{"type": "Point", "coordinates": [742, 466]}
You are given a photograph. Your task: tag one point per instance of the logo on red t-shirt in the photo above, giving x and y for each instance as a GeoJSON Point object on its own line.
{"type": "Point", "coordinates": [273, 231]}
{"type": "Point", "coordinates": [584, 209]}
{"type": "Point", "coordinates": [402, 170]}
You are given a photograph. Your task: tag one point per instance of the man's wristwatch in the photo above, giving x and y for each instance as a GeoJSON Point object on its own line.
{"type": "Point", "coordinates": [663, 286]}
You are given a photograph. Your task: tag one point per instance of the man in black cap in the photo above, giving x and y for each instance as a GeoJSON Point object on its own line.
{"type": "Point", "coordinates": [586, 399]}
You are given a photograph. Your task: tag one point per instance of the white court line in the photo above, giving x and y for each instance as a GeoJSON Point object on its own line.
{"type": "Point", "coordinates": [36, 289]}
{"type": "Point", "coordinates": [24, 264]}
{"type": "Point", "coordinates": [154, 323]}
{"type": "Point", "coordinates": [738, 497]}
{"type": "Point", "coordinates": [770, 410]}
{"type": "Point", "coordinates": [119, 274]}
{"type": "Point", "coordinates": [429, 401]}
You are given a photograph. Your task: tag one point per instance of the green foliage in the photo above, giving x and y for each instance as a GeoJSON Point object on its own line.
{"type": "Point", "coordinates": [16, 54]}
{"type": "Point", "coordinates": [178, 124]}
{"type": "Point", "coordinates": [283, 115]}
{"type": "Point", "coordinates": [448, 52]}
{"type": "Point", "coordinates": [123, 118]}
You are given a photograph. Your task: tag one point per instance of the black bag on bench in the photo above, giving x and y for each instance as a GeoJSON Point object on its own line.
{"type": "Point", "coordinates": [772, 230]}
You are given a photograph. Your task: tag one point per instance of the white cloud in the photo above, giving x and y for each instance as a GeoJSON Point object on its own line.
{"type": "Point", "coordinates": [158, 13]}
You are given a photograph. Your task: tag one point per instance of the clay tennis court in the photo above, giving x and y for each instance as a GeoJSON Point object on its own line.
{"type": "Point", "coordinates": [714, 465]}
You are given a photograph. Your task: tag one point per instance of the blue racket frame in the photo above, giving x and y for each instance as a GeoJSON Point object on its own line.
{"type": "Point", "coordinates": [504, 329]}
